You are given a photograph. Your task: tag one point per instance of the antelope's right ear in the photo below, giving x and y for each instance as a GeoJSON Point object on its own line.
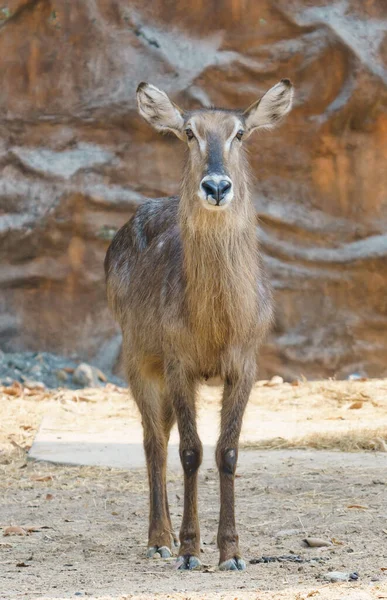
{"type": "Point", "coordinates": [160, 112]}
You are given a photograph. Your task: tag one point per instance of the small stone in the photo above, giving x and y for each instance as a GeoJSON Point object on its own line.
{"type": "Point", "coordinates": [34, 385]}
{"type": "Point", "coordinates": [61, 374]}
{"type": "Point", "coordinates": [314, 542]}
{"type": "Point", "coordinates": [17, 363]}
{"type": "Point", "coordinates": [335, 576]}
{"type": "Point", "coordinates": [276, 380]}
{"type": "Point", "coordinates": [84, 375]}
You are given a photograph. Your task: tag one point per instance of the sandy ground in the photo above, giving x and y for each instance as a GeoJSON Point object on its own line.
{"type": "Point", "coordinates": [84, 528]}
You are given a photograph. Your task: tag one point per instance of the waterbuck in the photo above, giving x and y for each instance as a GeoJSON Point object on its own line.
{"type": "Point", "coordinates": [186, 283]}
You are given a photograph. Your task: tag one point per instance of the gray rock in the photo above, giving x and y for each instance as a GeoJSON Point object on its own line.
{"type": "Point", "coordinates": [61, 374]}
{"type": "Point", "coordinates": [34, 385]}
{"type": "Point", "coordinates": [85, 376]}
{"type": "Point", "coordinates": [50, 369]}
{"type": "Point", "coordinates": [314, 542]}
{"type": "Point", "coordinates": [88, 376]}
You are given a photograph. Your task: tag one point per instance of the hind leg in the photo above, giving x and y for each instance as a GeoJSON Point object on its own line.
{"type": "Point", "coordinates": [147, 396]}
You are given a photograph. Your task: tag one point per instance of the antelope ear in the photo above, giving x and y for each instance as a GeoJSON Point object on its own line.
{"type": "Point", "coordinates": [160, 112]}
{"type": "Point", "coordinates": [271, 108]}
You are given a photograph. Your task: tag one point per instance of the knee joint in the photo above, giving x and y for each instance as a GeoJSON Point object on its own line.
{"type": "Point", "coordinates": [228, 461]}
{"type": "Point", "coordinates": [191, 460]}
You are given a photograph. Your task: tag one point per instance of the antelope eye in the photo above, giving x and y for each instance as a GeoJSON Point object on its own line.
{"type": "Point", "coordinates": [189, 134]}
{"type": "Point", "coordinates": [239, 135]}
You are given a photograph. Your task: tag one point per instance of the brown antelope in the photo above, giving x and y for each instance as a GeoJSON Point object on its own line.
{"type": "Point", "coordinates": [186, 283]}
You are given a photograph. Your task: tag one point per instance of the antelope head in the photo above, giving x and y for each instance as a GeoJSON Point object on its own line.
{"type": "Point", "coordinates": [215, 138]}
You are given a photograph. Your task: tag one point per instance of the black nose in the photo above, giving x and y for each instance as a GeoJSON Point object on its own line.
{"type": "Point", "coordinates": [216, 190]}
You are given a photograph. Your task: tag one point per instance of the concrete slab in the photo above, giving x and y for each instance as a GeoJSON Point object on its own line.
{"type": "Point", "coordinates": [105, 444]}
{"type": "Point", "coordinates": [95, 442]}
{"type": "Point", "coordinates": [85, 435]}
{"type": "Point", "coordinates": [102, 427]}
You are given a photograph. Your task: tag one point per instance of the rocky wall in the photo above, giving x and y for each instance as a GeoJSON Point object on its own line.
{"type": "Point", "coordinates": [75, 161]}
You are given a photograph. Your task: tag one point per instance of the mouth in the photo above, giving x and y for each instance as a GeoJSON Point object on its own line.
{"type": "Point", "coordinates": [210, 204]}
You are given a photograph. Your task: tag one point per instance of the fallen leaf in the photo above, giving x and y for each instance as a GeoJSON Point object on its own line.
{"type": "Point", "coordinates": [337, 542]}
{"type": "Point", "coordinates": [356, 405]}
{"type": "Point", "coordinates": [26, 427]}
{"type": "Point", "coordinates": [16, 389]}
{"type": "Point", "coordinates": [312, 593]}
{"type": "Point", "coordinates": [16, 445]}
{"type": "Point", "coordinates": [49, 496]}
{"type": "Point", "coordinates": [101, 376]}
{"type": "Point", "coordinates": [83, 399]}
{"type": "Point", "coordinates": [41, 477]}
{"type": "Point", "coordinates": [14, 530]}
{"type": "Point", "coordinates": [358, 506]}
{"type": "Point", "coordinates": [383, 568]}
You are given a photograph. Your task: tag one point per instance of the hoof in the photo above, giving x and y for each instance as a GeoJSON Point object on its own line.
{"type": "Point", "coordinates": [188, 562]}
{"type": "Point", "coordinates": [159, 552]}
{"type": "Point", "coordinates": [233, 564]}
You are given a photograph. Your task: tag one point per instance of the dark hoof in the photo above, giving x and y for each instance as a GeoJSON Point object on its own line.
{"type": "Point", "coordinates": [233, 564]}
{"type": "Point", "coordinates": [188, 562]}
{"type": "Point", "coordinates": [159, 552]}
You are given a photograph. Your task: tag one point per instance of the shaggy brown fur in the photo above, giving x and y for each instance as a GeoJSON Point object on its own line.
{"type": "Point", "coordinates": [186, 283]}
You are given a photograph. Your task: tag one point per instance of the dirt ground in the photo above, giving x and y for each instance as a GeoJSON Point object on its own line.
{"type": "Point", "coordinates": [81, 531]}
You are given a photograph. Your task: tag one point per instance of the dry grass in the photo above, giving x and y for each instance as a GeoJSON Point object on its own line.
{"type": "Point", "coordinates": [348, 441]}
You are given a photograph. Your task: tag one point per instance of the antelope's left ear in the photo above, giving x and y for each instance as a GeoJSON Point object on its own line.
{"type": "Point", "coordinates": [271, 108]}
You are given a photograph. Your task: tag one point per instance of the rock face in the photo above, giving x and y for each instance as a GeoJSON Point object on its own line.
{"type": "Point", "coordinates": [76, 160]}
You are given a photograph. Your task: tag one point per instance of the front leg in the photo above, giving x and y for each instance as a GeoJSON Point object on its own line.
{"type": "Point", "coordinates": [235, 396]}
{"type": "Point", "coordinates": [182, 388]}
